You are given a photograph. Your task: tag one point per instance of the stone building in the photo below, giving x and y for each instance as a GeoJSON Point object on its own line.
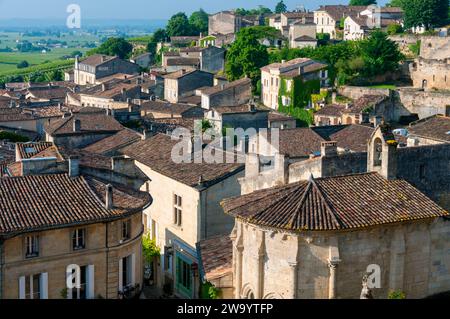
{"type": "Point", "coordinates": [182, 83]}
{"type": "Point", "coordinates": [228, 94]}
{"type": "Point", "coordinates": [226, 22]}
{"type": "Point", "coordinates": [302, 34]}
{"type": "Point", "coordinates": [362, 110]}
{"type": "Point", "coordinates": [78, 130]}
{"type": "Point", "coordinates": [279, 80]}
{"type": "Point", "coordinates": [160, 109]}
{"type": "Point", "coordinates": [431, 70]}
{"type": "Point", "coordinates": [69, 219]}
{"type": "Point", "coordinates": [317, 238]}
{"type": "Point", "coordinates": [245, 116]}
{"type": "Point", "coordinates": [185, 209]}
{"type": "Point", "coordinates": [429, 131]}
{"type": "Point", "coordinates": [111, 95]}
{"type": "Point", "coordinates": [96, 67]}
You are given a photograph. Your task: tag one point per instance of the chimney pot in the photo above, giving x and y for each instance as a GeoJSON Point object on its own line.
{"type": "Point", "coordinates": [109, 197]}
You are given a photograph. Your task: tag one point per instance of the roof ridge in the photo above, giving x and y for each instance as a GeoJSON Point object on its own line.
{"type": "Point", "coordinates": [329, 207]}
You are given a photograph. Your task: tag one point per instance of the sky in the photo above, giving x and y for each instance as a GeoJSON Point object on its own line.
{"type": "Point", "coordinates": [137, 9]}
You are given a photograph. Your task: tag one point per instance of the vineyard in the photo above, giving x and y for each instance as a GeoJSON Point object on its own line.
{"type": "Point", "coordinates": [51, 71]}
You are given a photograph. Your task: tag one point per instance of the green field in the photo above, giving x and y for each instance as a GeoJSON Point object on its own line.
{"type": "Point", "coordinates": [9, 60]}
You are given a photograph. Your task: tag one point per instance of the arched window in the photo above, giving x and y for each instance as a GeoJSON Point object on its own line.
{"type": "Point", "coordinates": [377, 152]}
{"type": "Point", "coordinates": [247, 292]}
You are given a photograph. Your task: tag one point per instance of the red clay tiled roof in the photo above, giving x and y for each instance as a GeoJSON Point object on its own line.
{"type": "Point", "coordinates": [353, 137]}
{"type": "Point", "coordinates": [114, 142]}
{"type": "Point", "coordinates": [336, 203]}
{"type": "Point", "coordinates": [33, 203]}
{"type": "Point", "coordinates": [436, 127]}
{"type": "Point", "coordinates": [155, 152]}
{"type": "Point", "coordinates": [90, 122]}
{"type": "Point", "coordinates": [216, 256]}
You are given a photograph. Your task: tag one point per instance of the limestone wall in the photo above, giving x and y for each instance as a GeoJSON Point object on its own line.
{"type": "Point", "coordinates": [413, 258]}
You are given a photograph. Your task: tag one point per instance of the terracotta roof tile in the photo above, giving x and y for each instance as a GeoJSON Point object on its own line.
{"type": "Point", "coordinates": [114, 142]}
{"type": "Point", "coordinates": [216, 256]}
{"type": "Point", "coordinates": [435, 127]}
{"type": "Point", "coordinates": [32, 203]}
{"type": "Point", "coordinates": [336, 203]}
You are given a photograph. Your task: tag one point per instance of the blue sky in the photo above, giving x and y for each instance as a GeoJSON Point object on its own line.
{"type": "Point", "coordinates": [138, 9]}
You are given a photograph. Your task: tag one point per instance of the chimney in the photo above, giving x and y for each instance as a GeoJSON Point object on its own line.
{"type": "Point", "coordinates": [74, 166]}
{"type": "Point", "coordinates": [183, 71]}
{"type": "Point", "coordinates": [283, 61]}
{"type": "Point", "coordinates": [328, 149]}
{"type": "Point", "coordinates": [76, 125]}
{"type": "Point", "coordinates": [60, 106]}
{"type": "Point", "coordinates": [103, 58]}
{"type": "Point", "coordinates": [348, 106]}
{"type": "Point", "coordinates": [302, 69]}
{"type": "Point", "coordinates": [103, 87]}
{"type": "Point", "coordinates": [222, 86]}
{"type": "Point", "coordinates": [109, 197]}
{"type": "Point", "coordinates": [144, 135]}
{"type": "Point", "coordinates": [12, 104]}
{"type": "Point", "coordinates": [333, 98]}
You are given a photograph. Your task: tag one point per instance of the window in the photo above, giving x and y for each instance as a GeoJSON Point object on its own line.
{"type": "Point", "coordinates": [126, 229]}
{"type": "Point", "coordinates": [32, 287]}
{"type": "Point", "coordinates": [79, 239]}
{"type": "Point", "coordinates": [177, 210]}
{"type": "Point", "coordinates": [184, 276]}
{"type": "Point", "coordinates": [80, 293]}
{"type": "Point", "coordinates": [126, 272]}
{"type": "Point", "coordinates": [32, 246]}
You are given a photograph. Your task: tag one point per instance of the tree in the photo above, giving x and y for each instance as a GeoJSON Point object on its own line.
{"type": "Point", "coordinates": [179, 25]}
{"type": "Point", "coordinates": [362, 2]}
{"type": "Point", "coordinates": [394, 29]}
{"type": "Point", "coordinates": [380, 54]}
{"type": "Point", "coordinates": [425, 13]}
{"type": "Point", "coordinates": [199, 20]}
{"type": "Point", "coordinates": [76, 53]}
{"type": "Point", "coordinates": [280, 7]}
{"type": "Point", "coordinates": [396, 3]}
{"type": "Point", "coordinates": [114, 46]}
{"type": "Point", "coordinates": [23, 64]}
{"type": "Point", "coordinates": [160, 35]}
{"type": "Point", "coordinates": [246, 56]}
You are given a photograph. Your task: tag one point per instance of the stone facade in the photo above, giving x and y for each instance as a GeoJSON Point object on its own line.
{"type": "Point", "coordinates": [224, 22]}
{"type": "Point", "coordinates": [175, 88]}
{"type": "Point", "coordinates": [103, 253]}
{"type": "Point", "coordinates": [431, 71]}
{"type": "Point", "coordinates": [273, 264]}
{"type": "Point", "coordinates": [202, 218]}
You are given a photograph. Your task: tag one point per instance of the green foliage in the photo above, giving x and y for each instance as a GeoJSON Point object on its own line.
{"type": "Point", "coordinates": [397, 295]}
{"type": "Point", "coordinates": [160, 35]}
{"type": "Point", "coordinates": [246, 56]}
{"type": "Point", "coordinates": [261, 10]}
{"type": "Point", "coordinates": [426, 13]}
{"type": "Point", "coordinates": [179, 25]}
{"type": "Point", "coordinates": [280, 7]}
{"type": "Point", "coordinates": [76, 53]}
{"type": "Point", "coordinates": [114, 46]}
{"type": "Point", "coordinates": [205, 125]}
{"type": "Point", "coordinates": [396, 3]}
{"type": "Point", "coordinates": [199, 21]}
{"type": "Point", "coordinates": [23, 64]}
{"type": "Point", "coordinates": [209, 291]}
{"type": "Point", "coordinates": [300, 96]}
{"type": "Point", "coordinates": [64, 293]}
{"type": "Point", "coordinates": [362, 2]}
{"type": "Point", "coordinates": [13, 137]}
{"type": "Point", "coordinates": [149, 248]}
{"type": "Point", "coordinates": [37, 73]}
{"type": "Point", "coordinates": [380, 55]}
{"type": "Point", "coordinates": [415, 48]}
{"type": "Point", "coordinates": [394, 29]}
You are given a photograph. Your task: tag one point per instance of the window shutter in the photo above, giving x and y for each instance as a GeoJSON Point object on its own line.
{"type": "Point", "coordinates": [44, 285]}
{"type": "Point", "coordinates": [133, 270]}
{"type": "Point", "coordinates": [120, 274]}
{"type": "Point", "coordinates": [22, 287]}
{"type": "Point", "coordinates": [90, 294]}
